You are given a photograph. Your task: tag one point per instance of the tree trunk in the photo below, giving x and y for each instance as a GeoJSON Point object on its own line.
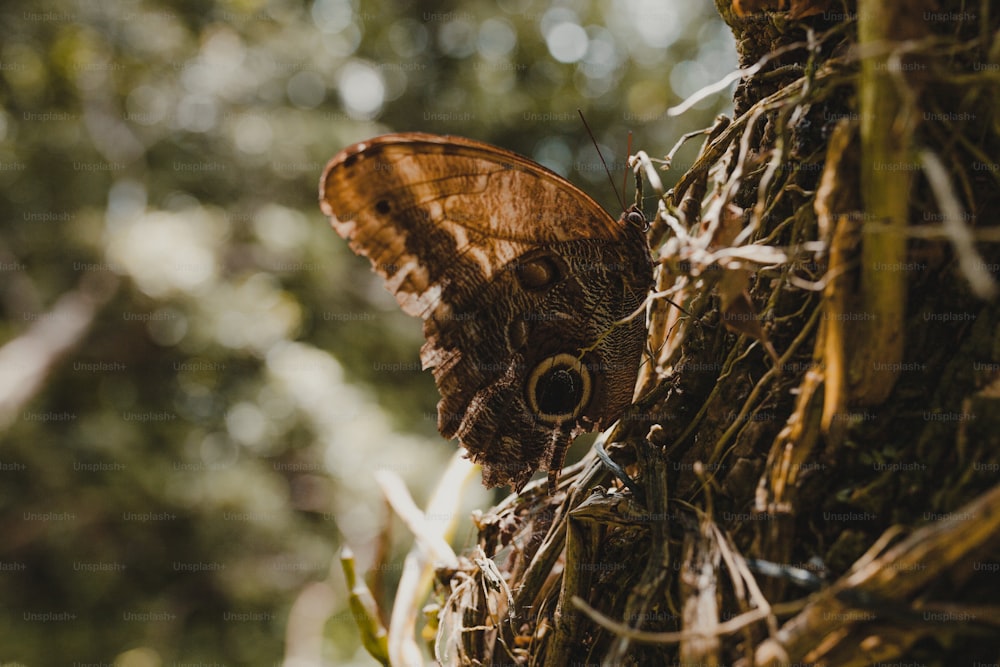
{"type": "Point", "coordinates": [812, 458]}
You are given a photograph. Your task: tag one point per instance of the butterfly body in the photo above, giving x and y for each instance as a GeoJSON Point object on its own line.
{"type": "Point", "coordinates": [529, 291]}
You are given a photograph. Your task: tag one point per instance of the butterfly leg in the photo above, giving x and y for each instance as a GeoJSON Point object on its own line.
{"type": "Point", "coordinates": [560, 444]}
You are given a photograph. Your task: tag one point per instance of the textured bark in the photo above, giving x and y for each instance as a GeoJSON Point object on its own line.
{"type": "Point", "coordinates": [866, 451]}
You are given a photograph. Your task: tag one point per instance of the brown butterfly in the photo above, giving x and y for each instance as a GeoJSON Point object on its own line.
{"type": "Point", "coordinates": [528, 289]}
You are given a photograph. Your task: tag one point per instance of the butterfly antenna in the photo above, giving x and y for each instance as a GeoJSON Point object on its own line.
{"type": "Point", "coordinates": [628, 151]}
{"type": "Point", "coordinates": [606, 170]}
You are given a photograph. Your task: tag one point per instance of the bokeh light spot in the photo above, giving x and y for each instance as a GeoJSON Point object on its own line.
{"type": "Point", "coordinates": [687, 77]}
{"type": "Point", "coordinates": [167, 326]}
{"type": "Point", "coordinates": [457, 38]}
{"type": "Point", "coordinates": [197, 113]}
{"type": "Point", "coordinates": [332, 15]}
{"type": "Point", "coordinates": [253, 134]}
{"type": "Point", "coordinates": [246, 424]}
{"type": "Point", "coordinates": [361, 89]}
{"type": "Point", "coordinates": [497, 38]}
{"type": "Point", "coordinates": [281, 229]}
{"type": "Point", "coordinates": [567, 42]}
{"type": "Point", "coordinates": [408, 38]}
{"type": "Point", "coordinates": [166, 252]}
{"type": "Point", "coordinates": [554, 154]}
{"type": "Point", "coordinates": [306, 90]}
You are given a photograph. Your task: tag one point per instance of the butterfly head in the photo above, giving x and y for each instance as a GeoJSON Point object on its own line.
{"type": "Point", "coordinates": [634, 217]}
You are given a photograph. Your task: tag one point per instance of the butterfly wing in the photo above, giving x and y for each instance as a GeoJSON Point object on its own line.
{"type": "Point", "coordinates": [507, 264]}
{"type": "Point", "coordinates": [440, 215]}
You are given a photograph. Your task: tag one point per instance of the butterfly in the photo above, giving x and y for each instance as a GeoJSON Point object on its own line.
{"type": "Point", "coordinates": [530, 293]}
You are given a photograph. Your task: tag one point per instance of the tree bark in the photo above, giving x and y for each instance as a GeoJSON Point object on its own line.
{"type": "Point", "coordinates": [812, 458]}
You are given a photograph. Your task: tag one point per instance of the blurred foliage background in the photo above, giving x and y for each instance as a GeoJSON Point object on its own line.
{"type": "Point", "coordinates": [197, 378]}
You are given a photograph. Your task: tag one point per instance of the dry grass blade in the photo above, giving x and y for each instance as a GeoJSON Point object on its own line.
{"type": "Point", "coordinates": [431, 530]}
